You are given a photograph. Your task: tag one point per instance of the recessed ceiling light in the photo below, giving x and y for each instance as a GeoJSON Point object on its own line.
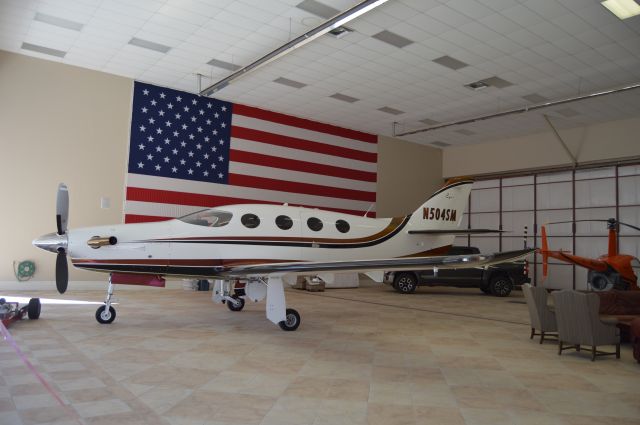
{"type": "Point", "coordinates": [391, 111]}
{"type": "Point", "coordinates": [466, 132]}
{"type": "Point", "coordinates": [450, 62]}
{"type": "Point", "coordinates": [568, 112]}
{"type": "Point", "coordinates": [623, 9]}
{"type": "Point", "coordinates": [290, 83]}
{"type": "Point", "coordinates": [340, 32]}
{"type": "Point", "coordinates": [440, 144]}
{"type": "Point", "coordinates": [317, 8]}
{"type": "Point", "coordinates": [224, 65]}
{"type": "Point", "coordinates": [58, 22]}
{"type": "Point", "coordinates": [478, 85]}
{"type": "Point", "coordinates": [428, 121]}
{"type": "Point", "coordinates": [146, 44]}
{"type": "Point", "coordinates": [344, 97]}
{"type": "Point", "coordinates": [535, 98]}
{"type": "Point", "coordinates": [497, 82]}
{"type": "Point", "coordinates": [392, 38]}
{"type": "Point", "coordinates": [42, 49]}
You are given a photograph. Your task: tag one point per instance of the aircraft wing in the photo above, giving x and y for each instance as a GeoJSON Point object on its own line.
{"type": "Point", "coordinates": [390, 264]}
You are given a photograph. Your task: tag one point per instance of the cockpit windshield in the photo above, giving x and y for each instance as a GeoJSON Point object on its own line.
{"type": "Point", "coordinates": [209, 218]}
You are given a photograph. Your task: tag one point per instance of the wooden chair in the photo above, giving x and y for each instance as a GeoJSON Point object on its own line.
{"type": "Point", "coordinates": [542, 318]}
{"type": "Point", "coordinates": [579, 323]}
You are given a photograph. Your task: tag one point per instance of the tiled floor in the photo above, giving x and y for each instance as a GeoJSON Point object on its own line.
{"type": "Point", "coordinates": [361, 356]}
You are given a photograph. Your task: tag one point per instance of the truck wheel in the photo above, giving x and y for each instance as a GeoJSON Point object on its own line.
{"type": "Point", "coordinates": [500, 285]}
{"type": "Point", "coordinates": [405, 283]}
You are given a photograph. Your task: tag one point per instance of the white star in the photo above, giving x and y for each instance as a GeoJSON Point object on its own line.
{"type": "Point", "coordinates": [150, 138]}
{"type": "Point", "coordinates": [140, 165]}
{"type": "Point", "coordinates": [195, 102]}
{"type": "Point", "coordinates": [149, 157]}
{"type": "Point", "coordinates": [220, 175]}
{"type": "Point", "coordinates": [152, 121]}
{"type": "Point", "coordinates": [214, 132]}
{"type": "Point", "coordinates": [206, 156]}
{"type": "Point", "coordinates": [166, 159]}
{"type": "Point", "coordinates": [153, 102]}
{"type": "Point", "coordinates": [184, 126]}
{"type": "Point", "coordinates": [168, 123]}
{"type": "Point", "coordinates": [170, 105]}
{"type": "Point", "coordinates": [216, 115]}
{"type": "Point", "coordinates": [199, 146]}
{"type": "Point", "coordinates": [201, 112]}
{"type": "Point", "coordinates": [157, 167]}
{"type": "Point", "coordinates": [182, 162]}
{"type": "Point", "coordinates": [175, 134]}
{"type": "Point", "coordinates": [144, 110]}
{"type": "Point", "coordinates": [161, 113]}
{"type": "Point", "coordinates": [191, 137]}
{"type": "Point", "coordinates": [174, 169]}
{"type": "Point", "coordinates": [159, 131]}
{"type": "Point", "coordinates": [214, 149]}
{"type": "Point", "coordinates": [175, 151]}
{"type": "Point", "coordinates": [199, 129]}
{"type": "Point", "coordinates": [221, 142]}
{"type": "Point", "coordinates": [179, 99]}
{"type": "Point", "coordinates": [206, 138]}
{"type": "Point", "coordinates": [224, 108]}
{"type": "Point", "coordinates": [208, 122]}
{"type": "Point", "coordinates": [198, 164]}
{"type": "Point", "coordinates": [190, 171]}
{"type": "Point", "coordinates": [206, 173]}
{"type": "Point", "coordinates": [162, 95]}
{"type": "Point", "coordinates": [190, 154]}
{"type": "Point", "coordinates": [223, 125]}
{"type": "Point", "coordinates": [158, 149]}
{"type": "Point", "coordinates": [167, 141]}
{"type": "Point", "coordinates": [193, 119]}
{"type": "Point", "coordinates": [209, 105]}
{"type": "Point", "coordinates": [141, 146]}
{"type": "Point", "coordinates": [186, 109]}
{"type": "Point", "coordinates": [178, 116]}
{"type": "Point", "coordinates": [183, 143]}
{"type": "Point", "coordinates": [146, 92]}
{"type": "Point", "coordinates": [213, 166]}
{"type": "Point", "coordinates": [221, 158]}
{"type": "Point", "coordinates": [143, 128]}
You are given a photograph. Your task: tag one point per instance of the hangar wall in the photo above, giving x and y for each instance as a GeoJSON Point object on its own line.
{"type": "Point", "coordinates": [607, 141]}
{"type": "Point", "coordinates": [64, 123]}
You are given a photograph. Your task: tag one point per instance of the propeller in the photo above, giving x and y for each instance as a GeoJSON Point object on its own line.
{"type": "Point", "coordinates": [611, 223]}
{"type": "Point", "coordinates": [62, 217]}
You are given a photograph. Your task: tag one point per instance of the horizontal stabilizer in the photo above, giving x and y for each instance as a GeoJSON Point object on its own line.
{"type": "Point", "coordinates": [455, 232]}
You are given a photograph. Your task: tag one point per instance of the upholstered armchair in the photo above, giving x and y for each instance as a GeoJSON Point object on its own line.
{"type": "Point", "coordinates": [579, 323]}
{"type": "Point", "coordinates": [542, 318]}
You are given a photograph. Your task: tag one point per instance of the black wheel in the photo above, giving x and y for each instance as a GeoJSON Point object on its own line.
{"type": "Point", "coordinates": [486, 290]}
{"type": "Point", "coordinates": [600, 282]}
{"type": "Point", "coordinates": [500, 285]}
{"type": "Point", "coordinates": [291, 321]}
{"type": "Point", "coordinates": [237, 305]}
{"type": "Point", "coordinates": [405, 283]}
{"type": "Point", "coordinates": [105, 317]}
{"type": "Point", "coordinates": [33, 309]}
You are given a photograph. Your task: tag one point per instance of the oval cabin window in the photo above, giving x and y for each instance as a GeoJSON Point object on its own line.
{"type": "Point", "coordinates": [284, 222]}
{"type": "Point", "coordinates": [314, 224]}
{"type": "Point", "coordinates": [342, 226]}
{"type": "Point", "coordinates": [250, 220]}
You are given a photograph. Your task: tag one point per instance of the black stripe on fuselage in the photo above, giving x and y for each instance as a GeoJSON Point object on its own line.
{"type": "Point", "coordinates": [153, 269]}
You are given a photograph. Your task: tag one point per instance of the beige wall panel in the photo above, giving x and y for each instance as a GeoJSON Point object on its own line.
{"type": "Point", "coordinates": [58, 123]}
{"type": "Point", "coordinates": [607, 141]}
{"type": "Point", "coordinates": [408, 174]}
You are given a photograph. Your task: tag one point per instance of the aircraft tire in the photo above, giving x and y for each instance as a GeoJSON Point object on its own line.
{"type": "Point", "coordinates": [405, 283]}
{"type": "Point", "coordinates": [33, 309]}
{"type": "Point", "coordinates": [291, 321]}
{"type": "Point", "coordinates": [233, 306]}
{"type": "Point", "coordinates": [107, 317]}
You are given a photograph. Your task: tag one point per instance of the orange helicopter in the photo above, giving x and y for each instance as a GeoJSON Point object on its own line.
{"type": "Point", "coordinates": [609, 271]}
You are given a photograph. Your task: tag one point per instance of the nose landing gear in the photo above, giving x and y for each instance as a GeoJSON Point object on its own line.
{"type": "Point", "coordinates": [106, 314]}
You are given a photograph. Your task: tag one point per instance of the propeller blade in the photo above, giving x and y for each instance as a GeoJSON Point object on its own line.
{"type": "Point", "coordinates": [62, 271]}
{"type": "Point", "coordinates": [630, 225]}
{"type": "Point", "coordinates": [62, 208]}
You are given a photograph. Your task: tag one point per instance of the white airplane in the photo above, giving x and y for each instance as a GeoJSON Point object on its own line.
{"type": "Point", "coordinates": [265, 245]}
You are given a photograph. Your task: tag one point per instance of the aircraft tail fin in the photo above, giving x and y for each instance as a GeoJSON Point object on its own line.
{"type": "Point", "coordinates": [444, 209]}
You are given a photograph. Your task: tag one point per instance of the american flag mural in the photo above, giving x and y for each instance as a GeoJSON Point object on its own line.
{"type": "Point", "coordinates": [188, 152]}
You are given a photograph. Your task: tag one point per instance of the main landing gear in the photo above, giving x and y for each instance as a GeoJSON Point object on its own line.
{"type": "Point", "coordinates": [256, 290]}
{"type": "Point", "coordinates": [106, 314]}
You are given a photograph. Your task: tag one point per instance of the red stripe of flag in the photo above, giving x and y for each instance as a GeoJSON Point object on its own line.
{"type": "Point", "coordinates": [295, 143]}
{"type": "Point", "coordinates": [297, 187]}
{"type": "Point", "coordinates": [250, 111]}
{"type": "Point", "coordinates": [304, 166]}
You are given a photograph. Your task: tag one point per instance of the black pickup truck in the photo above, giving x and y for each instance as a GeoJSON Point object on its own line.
{"type": "Point", "coordinates": [496, 280]}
